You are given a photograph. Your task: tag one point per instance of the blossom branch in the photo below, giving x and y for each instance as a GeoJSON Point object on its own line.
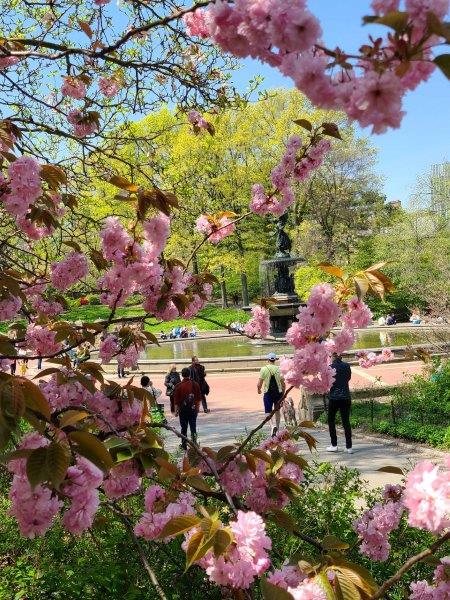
{"type": "Point", "coordinates": [410, 563]}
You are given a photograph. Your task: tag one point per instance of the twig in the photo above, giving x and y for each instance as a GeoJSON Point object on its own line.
{"type": "Point", "coordinates": [408, 564]}
{"type": "Point", "coordinates": [142, 555]}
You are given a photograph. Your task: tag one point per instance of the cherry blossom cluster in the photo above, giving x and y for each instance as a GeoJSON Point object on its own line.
{"type": "Point", "coordinates": [33, 508]}
{"type": "Point", "coordinates": [9, 307]}
{"type": "Point", "coordinates": [440, 590]}
{"type": "Point", "coordinates": [136, 268]}
{"type": "Point", "coordinates": [215, 230]}
{"type": "Point", "coordinates": [69, 271]}
{"type": "Point", "coordinates": [83, 125]}
{"type": "Point", "coordinates": [41, 340]}
{"type": "Point", "coordinates": [427, 496]}
{"type": "Point", "coordinates": [296, 164]}
{"type": "Point", "coordinates": [160, 509]}
{"type": "Point", "coordinates": [196, 119]}
{"type": "Point", "coordinates": [245, 559]}
{"type": "Point", "coordinates": [122, 480]}
{"type": "Point", "coordinates": [258, 488]}
{"type": "Point", "coordinates": [36, 508]}
{"type": "Point", "coordinates": [370, 359]}
{"type": "Point", "coordinates": [286, 35]}
{"type": "Point", "coordinates": [259, 324]}
{"type": "Point", "coordinates": [375, 525]}
{"type": "Point", "coordinates": [310, 366]}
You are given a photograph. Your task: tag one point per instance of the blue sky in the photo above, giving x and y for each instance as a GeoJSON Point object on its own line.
{"type": "Point", "coordinates": [424, 136]}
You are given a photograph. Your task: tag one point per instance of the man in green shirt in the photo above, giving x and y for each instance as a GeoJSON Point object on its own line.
{"type": "Point", "coordinates": [272, 384]}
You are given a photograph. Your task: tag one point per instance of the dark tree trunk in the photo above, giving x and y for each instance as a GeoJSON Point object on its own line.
{"type": "Point", "coordinates": [223, 288]}
{"type": "Point", "coordinates": [244, 285]}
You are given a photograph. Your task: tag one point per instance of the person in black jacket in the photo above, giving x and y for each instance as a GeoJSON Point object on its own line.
{"type": "Point", "coordinates": [197, 373]}
{"type": "Point", "coordinates": [339, 399]}
{"type": "Point", "coordinates": [172, 379]}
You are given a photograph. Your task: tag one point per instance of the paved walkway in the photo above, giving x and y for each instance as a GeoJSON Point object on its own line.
{"type": "Point", "coordinates": [236, 408]}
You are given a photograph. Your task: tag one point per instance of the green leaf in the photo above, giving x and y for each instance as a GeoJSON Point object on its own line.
{"type": "Point", "coordinates": [36, 466]}
{"type": "Point", "coordinates": [391, 469]}
{"type": "Point", "coordinates": [348, 589]}
{"type": "Point", "coordinates": [179, 525]}
{"type": "Point", "coordinates": [396, 20]}
{"type": "Point", "coordinates": [224, 453]}
{"type": "Point", "coordinates": [222, 540]}
{"type": "Point", "coordinates": [92, 448]}
{"type": "Point", "coordinates": [332, 130]}
{"type": "Point", "coordinates": [72, 416]}
{"type": "Point", "coordinates": [273, 592]}
{"type": "Point", "coordinates": [58, 462]}
{"type": "Point", "coordinates": [193, 547]}
{"type": "Point", "coordinates": [283, 519]}
{"type": "Point", "coordinates": [198, 483]}
{"type": "Point", "coordinates": [304, 123]}
{"type": "Point", "coordinates": [331, 542]}
{"type": "Point", "coordinates": [443, 62]}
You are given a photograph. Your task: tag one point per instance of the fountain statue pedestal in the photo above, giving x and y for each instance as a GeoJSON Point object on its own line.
{"type": "Point", "coordinates": [277, 283]}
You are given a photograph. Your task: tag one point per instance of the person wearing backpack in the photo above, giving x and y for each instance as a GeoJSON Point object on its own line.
{"type": "Point", "coordinates": [187, 398]}
{"type": "Point", "coordinates": [272, 384]}
{"type": "Point", "coordinates": [171, 381]}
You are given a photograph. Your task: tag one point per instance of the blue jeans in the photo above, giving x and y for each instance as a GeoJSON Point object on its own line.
{"type": "Point", "coordinates": [270, 400]}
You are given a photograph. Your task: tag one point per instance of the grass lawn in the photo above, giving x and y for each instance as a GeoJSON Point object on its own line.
{"type": "Point", "coordinates": [91, 313]}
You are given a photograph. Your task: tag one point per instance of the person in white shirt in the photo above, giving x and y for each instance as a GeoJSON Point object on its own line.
{"type": "Point", "coordinates": [382, 321]}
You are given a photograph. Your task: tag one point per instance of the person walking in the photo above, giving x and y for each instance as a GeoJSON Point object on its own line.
{"type": "Point", "coordinates": [148, 386]}
{"type": "Point", "coordinates": [39, 361]}
{"type": "Point", "coordinates": [187, 399]}
{"type": "Point", "coordinates": [198, 374]}
{"type": "Point", "coordinates": [273, 386]}
{"type": "Point", "coordinates": [171, 380]}
{"type": "Point", "coordinates": [339, 399]}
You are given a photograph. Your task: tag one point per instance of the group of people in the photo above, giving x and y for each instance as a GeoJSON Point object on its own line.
{"type": "Point", "coordinates": [388, 320]}
{"type": "Point", "coordinates": [180, 333]}
{"type": "Point", "coordinates": [272, 385]}
{"type": "Point", "coordinates": [236, 326]}
{"type": "Point", "coordinates": [187, 392]}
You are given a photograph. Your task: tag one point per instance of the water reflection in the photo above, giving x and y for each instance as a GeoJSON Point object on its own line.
{"type": "Point", "coordinates": [235, 346]}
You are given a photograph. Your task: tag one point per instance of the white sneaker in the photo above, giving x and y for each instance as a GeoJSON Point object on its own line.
{"type": "Point", "coordinates": [332, 449]}
{"type": "Point", "coordinates": [349, 450]}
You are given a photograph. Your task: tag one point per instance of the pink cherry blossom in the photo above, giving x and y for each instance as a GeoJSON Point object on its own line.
{"type": "Point", "coordinates": [308, 590]}
{"type": "Point", "coordinates": [195, 23]}
{"type": "Point", "coordinates": [287, 577]}
{"type": "Point", "coordinates": [358, 314]}
{"type": "Point", "coordinates": [259, 324]}
{"type": "Point", "coordinates": [108, 348]}
{"type": "Point", "coordinates": [382, 7]}
{"type": "Point", "coordinates": [374, 527]}
{"type": "Point", "coordinates": [115, 240]}
{"type": "Point", "coordinates": [9, 307]}
{"type": "Point", "coordinates": [156, 231]}
{"type": "Point", "coordinates": [81, 485]}
{"type": "Point", "coordinates": [74, 88]}
{"type": "Point", "coordinates": [122, 480]}
{"type": "Point", "coordinates": [109, 87]}
{"type": "Point", "coordinates": [47, 307]}
{"type": "Point", "coordinates": [427, 497]}
{"type": "Point", "coordinates": [41, 340]}
{"type": "Point", "coordinates": [215, 231]}
{"type": "Point", "coordinates": [69, 271]}
{"type": "Point", "coordinates": [61, 395]}
{"type": "Point", "coordinates": [8, 61]}
{"type": "Point", "coordinates": [82, 124]}
{"type": "Point", "coordinates": [196, 119]}
{"type": "Point", "coordinates": [152, 523]}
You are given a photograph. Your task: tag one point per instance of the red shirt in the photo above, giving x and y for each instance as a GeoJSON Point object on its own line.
{"type": "Point", "coordinates": [183, 389]}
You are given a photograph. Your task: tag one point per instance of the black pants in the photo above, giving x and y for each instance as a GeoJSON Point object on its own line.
{"type": "Point", "coordinates": [120, 371]}
{"type": "Point", "coordinates": [188, 416]}
{"type": "Point", "coordinates": [204, 403]}
{"type": "Point", "coordinates": [344, 407]}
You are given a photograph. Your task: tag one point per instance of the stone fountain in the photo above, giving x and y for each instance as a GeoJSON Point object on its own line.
{"type": "Point", "coordinates": [277, 282]}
